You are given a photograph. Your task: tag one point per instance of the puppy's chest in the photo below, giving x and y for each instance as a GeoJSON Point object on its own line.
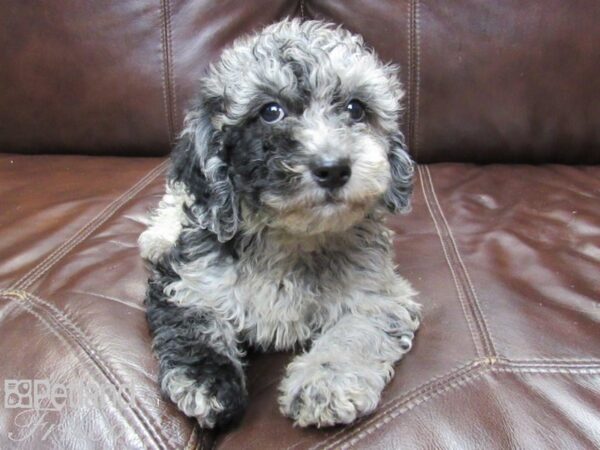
{"type": "Point", "coordinates": [286, 300]}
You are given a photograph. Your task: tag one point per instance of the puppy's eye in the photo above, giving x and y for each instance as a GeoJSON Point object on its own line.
{"type": "Point", "coordinates": [356, 110]}
{"type": "Point", "coordinates": [272, 112]}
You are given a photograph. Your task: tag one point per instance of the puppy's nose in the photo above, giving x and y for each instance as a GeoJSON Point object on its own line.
{"type": "Point", "coordinates": [331, 174]}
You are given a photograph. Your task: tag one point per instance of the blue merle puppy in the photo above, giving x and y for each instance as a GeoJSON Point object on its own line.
{"type": "Point", "coordinates": [271, 232]}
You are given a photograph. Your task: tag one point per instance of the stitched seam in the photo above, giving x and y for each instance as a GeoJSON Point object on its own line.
{"type": "Point", "coordinates": [51, 324]}
{"type": "Point", "coordinates": [549, 370]}
{"type": "Point", "coordinates": [417, 92]}
{"type": "Point", "coordinates": [302, 10]}
{"type": "Point", "coordinates": [341, 435]}
{"type": "Point", "coordinates": [414, 75]}
{"type": "Point", "coordinates": [414, 395]}
{"type": "Point", "coordinates": [62, 320]}
{"type": "Point", "coordinates": [553, 365]}
{"type": "Point", "coordinates": [454, 385]}
{"type": "Point", "coordinates": [35, 273]}
{"type": "Point", "coordinates": [166, 68]}
{"type": "Point", "coordinates": [480, 367]}
{"type": "Point", "coordinates": [459, 289]}
{"type": "Point", "coordinates": [461, 277]}
{"type": "Point", "coordinates": [170, 65]}
{"type": "Point", "coordinates": [569, 361]}
{"type": "Point", "coordinates": [409, 81]}
{"type": "Point", "coordinates": [96, 221]}
{"type": "Point", "coordinates": [410, 405]}
{"type": "Point", "coordinates": [478, 313]}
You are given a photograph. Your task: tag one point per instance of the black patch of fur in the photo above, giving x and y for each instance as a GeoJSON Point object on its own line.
{"type": "Point", "coordinates": [179, 342]}
{"type": "Point", "coordinates": [257, 154]}
{"type": "Point", "coordinates": [397, 199]}
{"type": "Point", "coordinates": [213, 193]}
{"type": "Point", "coordinates": [195, 242]}
{"type": "Point", "coordinates": [185, 168]}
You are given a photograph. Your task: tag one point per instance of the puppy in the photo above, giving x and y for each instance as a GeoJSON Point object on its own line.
{"type": "Point", "coordinates": [271, 233]}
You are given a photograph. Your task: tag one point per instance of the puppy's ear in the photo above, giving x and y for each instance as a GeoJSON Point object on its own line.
{"type": "Point", "coordinates": [397, 198]}
{"type": "Point", "coordinates": [198, 162]}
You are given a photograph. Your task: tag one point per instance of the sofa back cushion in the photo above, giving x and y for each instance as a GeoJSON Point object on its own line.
{"type": "Point", "coordinates": [487, 81]}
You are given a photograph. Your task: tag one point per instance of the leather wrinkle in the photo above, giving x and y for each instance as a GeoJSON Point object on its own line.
{"type": "Point", "coordinates": [111, 299]}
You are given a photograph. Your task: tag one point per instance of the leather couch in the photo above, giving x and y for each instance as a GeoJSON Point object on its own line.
{"type": "Point", "coordinates": [503, 242]}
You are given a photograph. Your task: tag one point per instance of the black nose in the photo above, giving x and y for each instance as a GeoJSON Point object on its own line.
{"type": "Point", "coordinates": [331, 174]}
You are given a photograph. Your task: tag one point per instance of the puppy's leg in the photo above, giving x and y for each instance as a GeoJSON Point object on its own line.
{"type": "Point", "coordinates": [342, 376]}
{"type": "Point", "coordinates": [200, 363]}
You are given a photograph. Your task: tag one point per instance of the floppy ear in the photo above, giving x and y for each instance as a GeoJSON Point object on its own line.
{"type": "Point", "coordinates": [397, 198]}
{"type": "Point", "coordinates": [198, 162]}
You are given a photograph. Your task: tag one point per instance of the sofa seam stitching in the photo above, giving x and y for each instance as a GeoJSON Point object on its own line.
{"type": "Point", "coordinates": [93, 225]}
{"type": "Point", "coordinates": [86, 230]}
{"type": "Point", "coordinates": [414, 76]}
{"type": "Point", "coordinates": [459, 288]}
{"type": "Point", "coordinates": [477, 369]}
{"type": "Point", "coordinates": [543, 361]}
{"type": "Point", "coordinates": [457, 384]}
{"type": "Point", "coordinates": [394, 412]}
{"type": "Point", "coordinates": [476, 305]}
{"type": "Point", "coordinates": [80, 338]}
{"type": "Point", "coordinates": [174, 110]}
{"type": "Point", "coordinates": [99, 217]}
{"type": "Point", "coordinates": [165, 75]}
{"type": "Point", "coordinates": [561, 370]}
{"type": "Point", "coordinates": [389, 405]}
{"type": "Point", "coordinates": [409, 63]}
{"type": "Point", "coordinates": [417, 44]}
{"type": "Point", "coordinates": [54, 325]}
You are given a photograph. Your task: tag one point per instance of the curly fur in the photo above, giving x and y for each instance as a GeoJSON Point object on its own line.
{"type": "Point", "coordinates": [247, 250]}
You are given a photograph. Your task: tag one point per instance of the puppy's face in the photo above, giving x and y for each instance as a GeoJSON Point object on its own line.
{"type": "Point", "coordinates": [307, 119]}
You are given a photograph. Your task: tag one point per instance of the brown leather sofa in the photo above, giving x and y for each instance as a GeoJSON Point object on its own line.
{"type": "Point", "coordinates": [506, 256]}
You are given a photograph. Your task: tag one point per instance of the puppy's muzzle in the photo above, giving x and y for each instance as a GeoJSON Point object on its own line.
{"type": "Point", "coordinates": [331, 173]}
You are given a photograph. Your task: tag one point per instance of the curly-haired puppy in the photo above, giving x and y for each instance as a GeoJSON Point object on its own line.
{"type": "Point", "coordinates": [271, 234]}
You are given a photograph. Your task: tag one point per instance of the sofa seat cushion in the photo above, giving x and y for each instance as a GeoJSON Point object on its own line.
{"type": "Point", "coordinates": [47, 200]}
{"type": "Point", "coordinates": [506, 260]}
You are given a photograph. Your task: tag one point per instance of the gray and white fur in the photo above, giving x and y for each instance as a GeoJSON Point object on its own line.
{"type": "Point", "coordinates": [271, 233]}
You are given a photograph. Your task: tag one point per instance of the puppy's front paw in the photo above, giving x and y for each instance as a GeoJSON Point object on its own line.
{"type": "Point", "coordinates": [213, 401]}
{"type": "Point", "coordinates": [328, 393]}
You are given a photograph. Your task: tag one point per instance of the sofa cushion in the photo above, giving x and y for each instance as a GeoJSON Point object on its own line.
{"type": "Point", "coordinates": [49, 200]}
{"type": "Point", "coordinates": [489, 81]}
{"type": "Point", "coordinates": [486, 81]}
{"type": "Point", "coordinates": [111, 77]}
{"type": "Point", "coordinates": [506, 259]}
